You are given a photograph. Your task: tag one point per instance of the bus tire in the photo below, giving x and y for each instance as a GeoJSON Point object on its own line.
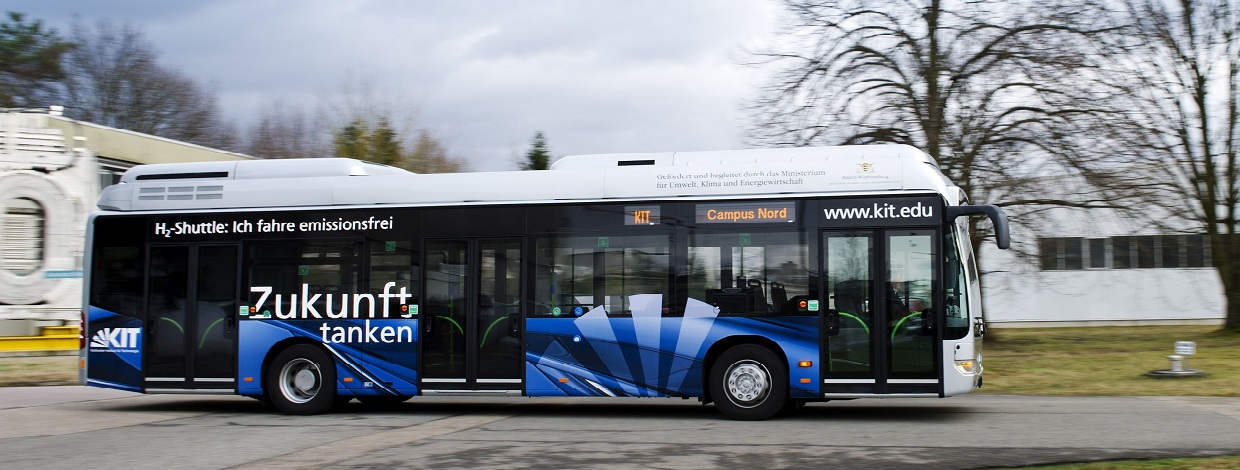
{"type": "Point", "coordinates": [749, 382]}
{"type": "Point", "coordinates": [301, 380]}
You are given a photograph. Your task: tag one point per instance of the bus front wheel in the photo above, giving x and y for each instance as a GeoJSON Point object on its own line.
{"type": "Point", "coordinates": [301, 380]}
{"type": "Point", "coordinates": [748, 382]}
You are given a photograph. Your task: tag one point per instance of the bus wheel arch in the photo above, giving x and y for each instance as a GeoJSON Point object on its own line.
{"type": "Point", "coordinates": [759, 365]}
{"type": "Point", "coordinates": [300, 379]}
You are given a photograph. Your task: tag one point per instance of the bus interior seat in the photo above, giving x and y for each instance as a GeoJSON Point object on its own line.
{"type": "Point", "coordinates": [756, 296]}
{"type": "Point", "coordinates": [729, 300]}
{"type": "Point", "coordinates": [779, 294]}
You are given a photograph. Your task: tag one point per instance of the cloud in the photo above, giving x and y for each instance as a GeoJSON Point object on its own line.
{"type": "Point", "coordinates": [594, 76]}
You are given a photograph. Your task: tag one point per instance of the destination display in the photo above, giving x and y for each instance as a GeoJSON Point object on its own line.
{"type": "Point", "coordinates": [746, 213]}
{"type": "Point", "coordinates": [641, 215]}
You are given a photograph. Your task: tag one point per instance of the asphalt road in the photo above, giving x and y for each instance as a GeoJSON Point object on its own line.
{"type": "Point", "coordinates": [78, 428]}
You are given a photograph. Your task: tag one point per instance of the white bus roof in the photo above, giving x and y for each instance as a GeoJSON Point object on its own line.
{"type": "Point", "coordinates": [337, 181]}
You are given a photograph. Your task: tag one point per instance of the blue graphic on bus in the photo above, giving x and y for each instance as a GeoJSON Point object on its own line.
{"type": "Point", "coordinates": [373, 356]}
{"type": "Point", "coordinates": [649, 356]}
{"type": "Point", "coordinates": [114, 350]}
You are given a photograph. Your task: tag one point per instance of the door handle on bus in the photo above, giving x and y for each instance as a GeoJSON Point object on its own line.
{"type": "Point", "coordinates": [831, 322]}
{"type": "Point", "coordinates": [514, 325]}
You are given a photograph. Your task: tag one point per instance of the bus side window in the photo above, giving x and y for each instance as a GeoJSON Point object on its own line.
{"type": "Point", "coordinates": [625, 275]}
{"type": "Point", "coordinates": [394, 262]}
{"type": "Point", "coordinates": [287, 265]}
{"type": "Point", "coordinates": [750, 273]}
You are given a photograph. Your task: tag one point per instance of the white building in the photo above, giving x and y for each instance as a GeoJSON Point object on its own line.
{"type": "Point", "coordinates": [1095, 267]}
{"type": "Point", "coordinates": [51, 171]}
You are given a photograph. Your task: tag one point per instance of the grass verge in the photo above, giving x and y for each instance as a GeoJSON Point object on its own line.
{"type": "Point", "coordinates": [1108, 361]}
{"type": "Point", "coordinates": [1215, 463]}
{"type": "Point", "coordinates": [38, 370]}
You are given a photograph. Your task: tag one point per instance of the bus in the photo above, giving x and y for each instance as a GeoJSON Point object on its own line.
{"type": "Point", "coordinates": [756, 280]}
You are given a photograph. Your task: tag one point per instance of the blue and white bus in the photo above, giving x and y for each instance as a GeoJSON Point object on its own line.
{"type": "Point", "coordinates": [757, 280]}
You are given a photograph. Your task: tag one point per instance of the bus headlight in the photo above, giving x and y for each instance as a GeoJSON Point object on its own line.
{"type": "Point", "coordinates": [965, 366]}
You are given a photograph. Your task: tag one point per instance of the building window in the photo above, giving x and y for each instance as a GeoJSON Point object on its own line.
{"type": "Point", "coordinates": [1060, 254]}
{"type": "Point", "coordinates": [1137, 252]}
{"type": "Point", "coordinates": [110, 171]}
{"type": "Point", "coordinates": [1145, 252]}
{"type": "Point", "coordinates": [1121, 252]}
{"type": "Point", "coordinates": [1169, 247]}
{"type": "Point", "coordinates": [1097, 253]}
{"type": "Point", "coordinates": [1196, 251]}
{"type": "Point", "coordinates": [23, 237]}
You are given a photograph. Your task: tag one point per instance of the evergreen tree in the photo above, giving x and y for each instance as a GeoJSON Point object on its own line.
{"type": "Point", "coordinates": [352, 141]}
{"type": "Point", "coordinates": [539, 156]}
{"type": "Point", "coordinates": [385, 147]}
{"type": "Point", "coordinates": [30, 58]}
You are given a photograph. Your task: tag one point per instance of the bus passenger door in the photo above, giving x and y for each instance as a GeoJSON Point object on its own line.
{"type": "Point", "coordinates": [471, 326]}
{"type": "Point", "coordinates": [878, 326]}
{"type": "Point", "coordinates": [190, 318]}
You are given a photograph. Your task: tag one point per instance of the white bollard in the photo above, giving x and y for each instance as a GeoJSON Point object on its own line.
{"type": "Point", "coordinates": [1177, 362]}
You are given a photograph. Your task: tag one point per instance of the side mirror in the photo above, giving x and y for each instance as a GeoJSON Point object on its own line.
{"type": "Point", "coordinates": [997, 218]}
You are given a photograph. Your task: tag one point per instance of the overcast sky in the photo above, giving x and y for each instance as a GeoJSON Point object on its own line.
{"type": "Point", "coordinates": [595, 76]}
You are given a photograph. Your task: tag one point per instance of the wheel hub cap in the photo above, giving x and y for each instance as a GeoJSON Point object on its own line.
{"type": "Point", "coordinates": [748, 383]}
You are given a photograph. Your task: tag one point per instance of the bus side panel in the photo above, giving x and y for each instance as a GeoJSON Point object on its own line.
{"type": "Point", "coordinates": [391, 362]}
{"type": "Point", "coordinates": [256, 339]}
{"type": "Point", "coordinates": [594, 355]}
{"type": "Point", "coordinates": [113, 350]}
{"type": "Point", "coordinates": [373, 357]}
{"type": "Point", "coordinates": [799, 339]}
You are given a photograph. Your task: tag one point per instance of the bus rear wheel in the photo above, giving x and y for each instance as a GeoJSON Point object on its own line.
{"type": "Point", "coordinates": [301, 380]}
{"type": "Point", "coordinates": [748, 382]}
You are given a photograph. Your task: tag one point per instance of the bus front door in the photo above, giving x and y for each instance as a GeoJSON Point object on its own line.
{"type": "Point", "coordinates": [190, 318]}
{"type": "Point", "coordinates": [879, 332]}
{"type": "Point", "coordinates": [471, 324]}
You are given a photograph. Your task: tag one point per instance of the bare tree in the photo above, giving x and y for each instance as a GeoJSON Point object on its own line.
{"type": "Point", "coordinates": [1181, 73]}
{"type": "Point", "coordinates": [385, 124]}
{"type": "Point", "coordinates": [114, 78]}
{"type": "Point", "coordinates": [430, 155]}
{"type": "Point", "coordinates": [360, 99]}
{"type": "Point", "coordinates": [284, 131]}
{"type": "Point", "coordinates": [996, 92]}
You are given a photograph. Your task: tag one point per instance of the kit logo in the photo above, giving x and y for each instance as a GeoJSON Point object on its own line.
{"type": "Point", "coordinates": [116, 339]}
